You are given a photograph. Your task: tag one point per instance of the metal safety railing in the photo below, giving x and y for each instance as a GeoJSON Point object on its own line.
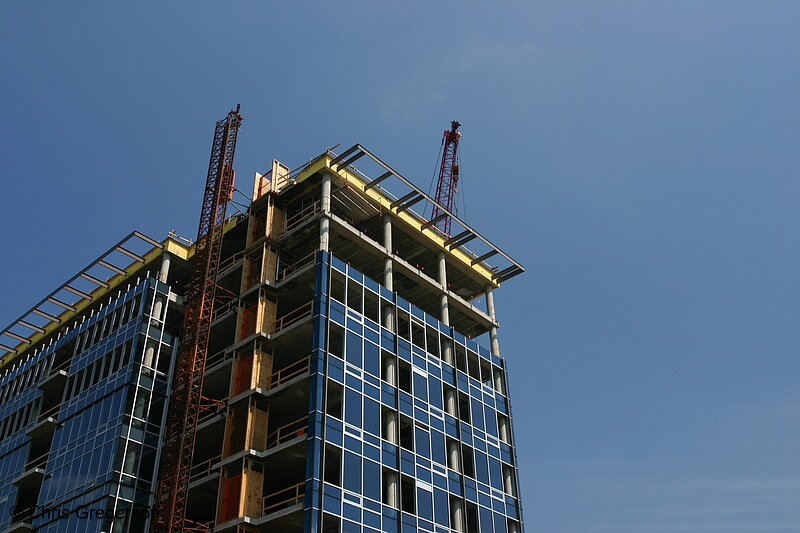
{"type": "Point", "coordinates": [298, 218]}
{"type": "Point", "coordinates": [218, 357]}
{"type": "Point", "coordinates": [37, 462]}
{"type": "Point", "coordinates": [220, 310]}
{"type": "Point", "coordinates": [293, 316]}
{"type": "Point", "coordinates": [50, 412]}
{"type": "Point", "coordinates": [230, 261]}
{"type": "Point", "coordinates": [288, 270]}
{"type": "Point", "coordinates": [290, 371]}
{"type": "Point", "coordinates": [204, 468]}
{"type": "Point", "coordinates": [287, 432]}
{"type": "Point", "coordinates": [284, 498]}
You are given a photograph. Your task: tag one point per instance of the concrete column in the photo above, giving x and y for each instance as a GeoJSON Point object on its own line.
{"type": "Point", "coordinates": [457, 515]}
{"type": "Point", "coordinates": [325, 199]}
{"type": "Point", "coordinates": [388, 274]}
{"type": "Point", "coordinates": [502, 425]}
{"type": "Point", "coordinates": [453, 456]}
{"type": "Point", "coordinates": [450, 402]}
{"type": "Point", "coordinates": [390, 426]}
{"type": "Point", "coordinates": [390, 370]}
{"type": "Point", "coordinates": [388, 280]}
{"type": "Point", "coordinates": [499, 386]}
{"type": "Point", "coordinates": [443, 282]}
{"type": "Point", "coordinates": [325, 204]}
{"type": "Point", "coordinates": [392, 492]}
{"type": "Point", "coordinates": [387, 233]}
{"type": "Point", "coordinates": [150, 354]}
{"type": "Point", "coordinates": [495, 344]}
{"type": "Point", "coordinates": [508, 480]}
{"type": "Point", "coordinates": [158, 307]}
{"type": "Point", "coordinates": [164, 272]}
{"type": "Point", "coordinates": [447, 352]}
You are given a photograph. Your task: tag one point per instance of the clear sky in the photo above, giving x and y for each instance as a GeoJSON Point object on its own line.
{"type": "Point", "coordinates": [639, 158]}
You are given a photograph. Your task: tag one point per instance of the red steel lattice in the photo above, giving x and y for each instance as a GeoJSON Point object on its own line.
{"type": "Point", "coordinates": [448, 179]}
{"type": "Point", "coordinates": [171, 496]}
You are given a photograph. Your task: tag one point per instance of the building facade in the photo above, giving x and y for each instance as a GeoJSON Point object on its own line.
{"type": "Point", "coordinates": [354, 381]}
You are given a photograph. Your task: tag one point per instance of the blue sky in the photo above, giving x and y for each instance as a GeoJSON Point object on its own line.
{"type": "Point", "coordinates": [640, 158]}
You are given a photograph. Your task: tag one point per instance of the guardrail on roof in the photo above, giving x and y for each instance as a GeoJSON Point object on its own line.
{"type": "Point", "coordinates": [462, 232]}
{"type": "Point", "coordinates": [66, 298]}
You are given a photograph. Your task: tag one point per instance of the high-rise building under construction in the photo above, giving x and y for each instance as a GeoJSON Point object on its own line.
{"type": "Point", "coordinates": [341, 390]}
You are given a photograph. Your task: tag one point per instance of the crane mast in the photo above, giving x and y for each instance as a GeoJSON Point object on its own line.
{"type": "Point", "coordinates": [447, 185]}
{"type": "Point", "coordinates": [179, 434]}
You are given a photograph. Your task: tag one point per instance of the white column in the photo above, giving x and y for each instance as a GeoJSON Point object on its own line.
{"type": "Point", "coordinates": [450, 402]}
{"type": "Point", "coordinates": [164, 272]}
{"type": "Point", "coordinates": [443, 282]}
{"type": "Point", "coordinates": [391, 488]}
{"type": "Point", "coordinates": [495, 344]}
{"type": "Point", "coordinates": [390, 370]}
{"type": "Point", "coordinates": [453, 455]}
{"type": "Point", "coordinates": [498, 382]}
{"type": "Point", "coordinates": [508, 480]}
{"type": "Point", "coordinates": [502, 424]}
{"type": "Point", "coordinates": [325, 204]}
{"type": "Point", "coordinates": [390, 426]}
{"type": "Point", "coordinates": [388, 280]}
{"type": "Point", "coordinates": [158, 307]}
{"type": "Point", "coordinates": [447, 352]}
{"type": "Point", "coordinates": [457, 515]}
{"type": "Point", "coordinates": [388, 271]}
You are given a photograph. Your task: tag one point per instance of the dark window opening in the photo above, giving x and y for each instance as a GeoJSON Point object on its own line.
{"type": "Point", "coordinates": [336, 340]}
{"type": "Point", "coordinates": [418, 334]}
{"type": "Point", "coordinates": [408, 494]}
{"type": "Point", "coordinates": [474, 367]}
{"type": "Point", "coordinates": [333, 465]}
{"type": "Point", "coordinates": [468, 461]}
{"type": "Point", "coordinates": [404, 376]}
{"type": "Point", "coordinates": [463, 407]}
{"type": "Point", "coordinates": [461, 358]}
{"type": "Point", "coordinates": [371, 306]}
{"type": "Point", "coordinates": [337, 286]}
{"type": "Point", "coordinates": [333, 403]}
{"type": "Point", "coordinates": [472, 518]}
{"type": "Point", "coordinates": [406, 433]}
{"type": "Point", "coordinates": [331, 524]}
{"type": "Point", "coordinates": [402, 324]}
{"type": "Point", "coordinates": [354, 291]}
{"type": "Point", "coordinates": [486, 373]}
{"type": "Point", "coordinates": [433, 341]}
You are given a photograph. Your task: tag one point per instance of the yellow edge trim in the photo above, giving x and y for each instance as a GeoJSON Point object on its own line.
{"type": "Point", "coordinates": [170, 245]}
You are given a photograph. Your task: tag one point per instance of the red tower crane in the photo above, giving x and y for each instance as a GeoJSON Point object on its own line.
{"type": "Point", "coordinates": [447, 185]}
{"type": "Point", "coordinates": [179, 434]}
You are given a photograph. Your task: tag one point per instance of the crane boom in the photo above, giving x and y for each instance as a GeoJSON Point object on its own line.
{"type": "Point", "coordinates": [447, 185]}
{"type": "Point", "coordinates": [179, 434]}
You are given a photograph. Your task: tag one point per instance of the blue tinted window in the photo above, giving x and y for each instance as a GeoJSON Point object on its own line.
{"type": "Point", "coordinates": [352, 472]}
{"type": "Point", "coordinates": [442, 516]}
{"type": "Point", "coordinates": [422, 442]}
{"type": "Point", "coordinates": [424, 504]}
{"type": "Point", "coordinates": [372, 416]}
{"type": "Point", "coordinates": [371, 359]}
{"type": "Point", "coordinates": [477, 414]}
{"type": "Point", "coordinates": [372, 480]}
{"type": "Point", "coordinates": [496, 473]}
{"type": "Point", "coordinates": [437, 447]}
{"type": "Point", "coordinates": [352, 407]}
{"type": "Point", "coordinates": [481, 467]}
{"type": "Point", "coordinates": [353, 349]}
{"type": "Point", "coordinates": [420, 387]}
